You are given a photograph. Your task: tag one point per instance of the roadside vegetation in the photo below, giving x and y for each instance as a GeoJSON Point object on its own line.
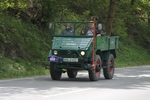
{"type": "Point", "coordinates": [23, 48]}
{"type": "Point", "coordinates": [131, 54]}
{"type": "Point", "coordinates": [25, 40]}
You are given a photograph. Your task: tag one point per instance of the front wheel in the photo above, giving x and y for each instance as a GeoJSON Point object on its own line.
{"type": "Point", "coordinates": [94, 72]}
{"type": "Point", "coordinates": [55, 74]}
{"type": "Point", "coordinates": [110, 68]}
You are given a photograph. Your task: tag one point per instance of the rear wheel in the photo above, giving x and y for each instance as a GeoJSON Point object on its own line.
{"type": "Point", "coordinates": [94, 72]}
{"type": "Point", "coordinates": [72, 73]}
{"type": "Point", "coordinates": [55, 74]}
{"type": "Point", "coordinates": [110, 68]}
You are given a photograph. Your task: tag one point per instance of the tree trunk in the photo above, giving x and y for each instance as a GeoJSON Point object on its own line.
{"type": "Point", "coordinates": [132, 2]}
{"type": "Point", "coordinates": [32, 2]}
{"type": "Point", "coordinates": [110, 17]}
{"type": "Point", "coordinates": [149, 19]}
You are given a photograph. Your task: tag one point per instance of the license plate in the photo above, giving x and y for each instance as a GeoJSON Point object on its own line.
{"type": "Point", "coordinates": [70, 59]}
{"type": "Point", "coordinates": [52, 59]}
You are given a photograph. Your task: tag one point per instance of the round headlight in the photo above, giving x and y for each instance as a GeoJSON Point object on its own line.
{"type": "Point", "coordinates": [82, 53]}
{"type": "Point", "coordinates": [55, 52]}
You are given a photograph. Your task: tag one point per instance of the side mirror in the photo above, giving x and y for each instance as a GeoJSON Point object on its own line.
{"type": "Point", "coordinates": [50, 25]}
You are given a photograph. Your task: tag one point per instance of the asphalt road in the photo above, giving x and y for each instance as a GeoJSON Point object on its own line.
{"type": "Point", "coordinates": [132, 83]}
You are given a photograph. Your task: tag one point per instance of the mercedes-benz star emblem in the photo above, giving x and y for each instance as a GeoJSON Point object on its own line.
{"type": "Point", "coordinates": [68, 52]}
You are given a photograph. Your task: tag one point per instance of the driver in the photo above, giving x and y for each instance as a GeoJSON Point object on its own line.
{"type": "Point", "coordinates": [68, 30]}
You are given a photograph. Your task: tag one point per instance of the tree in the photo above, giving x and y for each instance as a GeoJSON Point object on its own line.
{"type": "Point", "coordinates": [110, 17]}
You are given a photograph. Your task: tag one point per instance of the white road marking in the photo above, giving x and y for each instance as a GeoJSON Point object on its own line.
{"type": "Point", "coordinates": [142, 75]}
{"type": "Point", "coordinates": [64, 93]}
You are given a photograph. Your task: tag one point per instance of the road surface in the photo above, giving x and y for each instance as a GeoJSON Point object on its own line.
{"type": "Point", "coordinates": [131, 83]}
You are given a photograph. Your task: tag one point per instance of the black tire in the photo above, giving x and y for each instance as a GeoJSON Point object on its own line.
{"type": "Point", "coordinates": [110, 68]}
{"type": "Point", "coordinates": [94, 73]}
{"type": "Point", "coordinates": [72, 73]}
{"type": "Point", "coordinates": [55, 74]}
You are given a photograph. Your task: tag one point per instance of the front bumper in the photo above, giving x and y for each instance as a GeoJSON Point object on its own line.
{"type": "Point", "coordinates": [57, 59]}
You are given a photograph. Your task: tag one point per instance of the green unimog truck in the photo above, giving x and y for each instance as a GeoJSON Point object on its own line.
{"type": "Point", "coordinates": [74, 52]}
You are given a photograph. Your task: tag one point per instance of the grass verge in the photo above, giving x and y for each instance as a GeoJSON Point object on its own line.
{"type": "Point", "coordinates": [131, 54]}
{"type": "Point", "coordinates": [11, 69]}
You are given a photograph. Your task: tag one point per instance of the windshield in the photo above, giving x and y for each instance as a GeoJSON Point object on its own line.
{"type": "Point", "coordinates": [71, 28]}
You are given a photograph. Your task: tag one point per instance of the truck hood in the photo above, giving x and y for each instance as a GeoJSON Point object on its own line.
{"type": "Point", "coordinates": [71, 43]}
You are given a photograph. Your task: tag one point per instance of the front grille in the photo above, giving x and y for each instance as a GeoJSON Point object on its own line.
{"type": "Point", "coordinates": [68, 54]}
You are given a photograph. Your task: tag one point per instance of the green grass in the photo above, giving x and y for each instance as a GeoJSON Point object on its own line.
{"type": "Point", "coordinates": [131, 54]}
{"type": "Point", "coordinates": [25, 48]}
{"type": "Point", "coordinates": [11, 69]}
